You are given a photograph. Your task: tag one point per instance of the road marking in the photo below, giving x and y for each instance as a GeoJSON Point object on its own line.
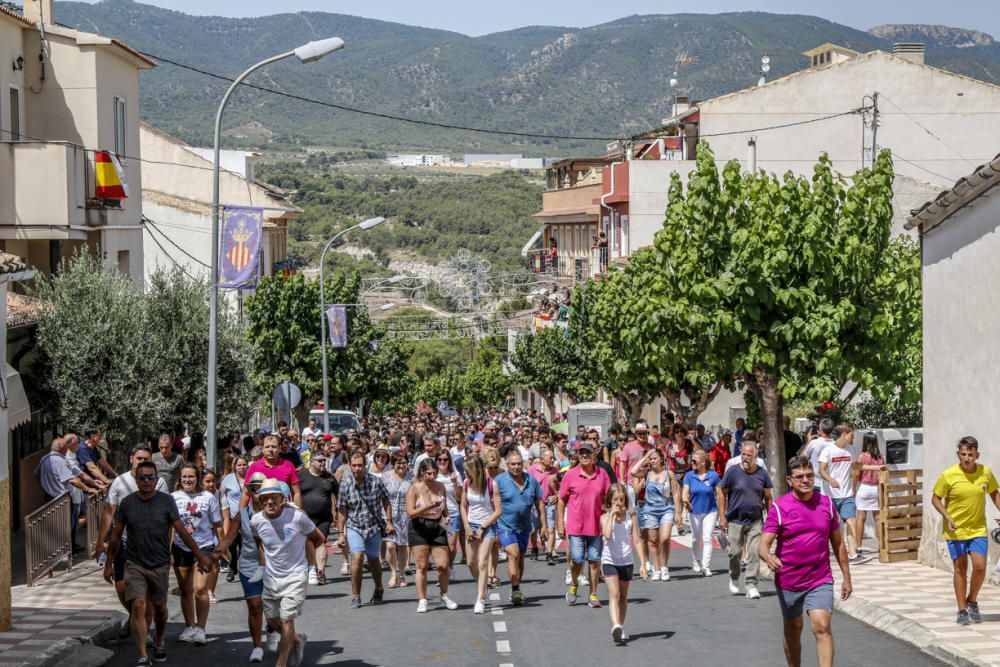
{"type": "Point", "coordinates": [494, 596]}
{"type": "Point", "coordinates": [499, 626]}
{"type": "Point", "coordinates": [503, 646]}
{"type": "Point", "coordinates": [496, 612]}
{"type": "Point", "coordinates": [506, 664]}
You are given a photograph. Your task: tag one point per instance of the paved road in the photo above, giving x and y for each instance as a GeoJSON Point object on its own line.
{"type": "Point", "coordinates": [688, 620]}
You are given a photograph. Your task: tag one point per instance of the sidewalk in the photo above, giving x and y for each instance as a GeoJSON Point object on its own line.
{"type": "Point", "coordinates": [56, 616]}
{"type": "Point", "coordinates": [916, 604]}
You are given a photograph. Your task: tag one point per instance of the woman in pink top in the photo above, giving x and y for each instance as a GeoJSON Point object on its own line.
{"type": "Point", "coordinates": [866, 483]}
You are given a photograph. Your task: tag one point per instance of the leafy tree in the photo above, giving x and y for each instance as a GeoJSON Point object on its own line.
{"type": "Point", "coordinates": [485, 386]}
{"type": "Point", "coordinates": [549, 362]}
{"type": "Point", "coordinates": [785, 282]}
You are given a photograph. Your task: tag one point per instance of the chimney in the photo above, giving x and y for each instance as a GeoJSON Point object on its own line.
{"type": "Point", "coordinates": [681, 105]}
{"type": "Point", "coordinates": [912, 51]}
{"type": "Point", "coordinates": [38, 11]}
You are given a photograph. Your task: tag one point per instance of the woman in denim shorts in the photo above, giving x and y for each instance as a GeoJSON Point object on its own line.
{"type": "Point", "coordinates": [480, 510]}
{"type": "Point", "coordinates": [658, 514]}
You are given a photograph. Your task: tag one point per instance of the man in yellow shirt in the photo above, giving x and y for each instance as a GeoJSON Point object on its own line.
{"type": "Point", "coordinates": [960, 498]}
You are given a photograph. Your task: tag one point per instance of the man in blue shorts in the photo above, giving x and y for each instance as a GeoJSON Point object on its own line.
{"type": "Point", "coordinates": [519, 493]}
{"type": "Point", "coordinates": [960, 498]}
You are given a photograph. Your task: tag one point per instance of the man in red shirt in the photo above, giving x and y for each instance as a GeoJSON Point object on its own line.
{"type": "Point", "coordinates": [581, 495]}
{"type": "Point", "coordinates": [543, 470]}
{"type": "Point", "coordinates": [274, 467]}
{"type": "Point", "coordinates": [721, 453]}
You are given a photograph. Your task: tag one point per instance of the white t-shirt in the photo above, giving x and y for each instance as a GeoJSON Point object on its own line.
{"type": "Point", "coordinates": [306, 432]}
{"type": "Point", "coordinates": [618, 550]}
{"type": "Point", "coordinates": [838, 465]}
{"type": "Point", "coordinates": [284, 541]}
{"type": "Point", "coordinates": [813, 450]}
{"type": "Point", "coordinates": [199, 511]}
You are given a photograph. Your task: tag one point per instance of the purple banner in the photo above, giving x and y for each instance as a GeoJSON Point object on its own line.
{"type": "Point", "coordinates": [242, 228]}
{"type": "Point", "coordinates": [336, 317]}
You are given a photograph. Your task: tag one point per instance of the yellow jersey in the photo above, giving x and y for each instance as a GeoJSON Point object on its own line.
{"type": "Point", "coordinates": [964, 495]}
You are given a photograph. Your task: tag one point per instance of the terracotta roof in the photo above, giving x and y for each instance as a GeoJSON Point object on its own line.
{"type": "Point", "coordinates": [11, 263]}
{"type": "Point", "coordinates": [137, 54]}
{"type": "Point", "coordinates": [23, 310]}
{"type": "Point", "coordinates": [966, 190]}
{"type": "Point", "coordinates": [14, 15]}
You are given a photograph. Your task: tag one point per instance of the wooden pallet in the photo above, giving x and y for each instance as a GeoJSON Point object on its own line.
{"type": "Point", "coordinates": [901, 518]}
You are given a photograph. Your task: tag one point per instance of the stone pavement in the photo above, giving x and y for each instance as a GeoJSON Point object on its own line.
{"type": "Point", "coordinates": [916, 604]}
{"type": "Point", "coordinates": [56, 616]}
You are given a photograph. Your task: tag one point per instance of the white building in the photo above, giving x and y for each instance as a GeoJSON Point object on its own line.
{"type": "Point", "coordinates": [960, 240]}
{"type": "Point", "coordinates": [177, 205]}
{"type": "Point", "coordinates": [419, 160]}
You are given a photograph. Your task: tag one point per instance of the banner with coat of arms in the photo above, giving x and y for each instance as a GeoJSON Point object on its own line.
{"type": "Point", "coordinates": [337, 319]}
{"type": "Point", "coordinates": [242, 228]}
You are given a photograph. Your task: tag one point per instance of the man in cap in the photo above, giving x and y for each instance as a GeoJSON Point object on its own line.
{"type": "Point", "coordinates": [287, 541]}
{"type": "Point", "coordinates": [581, 497]}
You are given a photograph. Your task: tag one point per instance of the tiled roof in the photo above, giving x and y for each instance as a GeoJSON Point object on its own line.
{"type": "Point", "coordinates": [22, 310]}
{"type": "Point", "coordinates": [14, 15]}
{"type": "Point", "coordinates": [966, 189]}
{"type": "Point", "coordinates": [129, 49]}
{"type": "Point", "coordinates": [11, 263]}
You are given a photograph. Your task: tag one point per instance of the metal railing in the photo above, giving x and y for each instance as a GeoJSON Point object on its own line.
{"type": "Point", "coordinates": [95, 510]}
{"type": "Point", "coordinates": [47, 537]}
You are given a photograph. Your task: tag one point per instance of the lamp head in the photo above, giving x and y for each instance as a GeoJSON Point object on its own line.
{"type": "Point", "coordinates": [387, 306]}
{"type": "Point", "coordinates": [320, 48]}
{"type": "Point", "coordinates": [372, 222]}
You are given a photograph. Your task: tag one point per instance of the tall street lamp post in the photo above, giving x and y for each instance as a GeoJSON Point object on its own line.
{"type": "Point", "coordinates": [306, 53]}
{"type": "Point", "coordinates": [367, 224]}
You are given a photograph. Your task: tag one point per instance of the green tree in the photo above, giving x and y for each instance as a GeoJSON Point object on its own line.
{"type": "Point", "coordinates": [549, 362]}
{"type": "Point", "coordinates": [784, 282]}
{"type": "Point", "coordinates": [486, 386]}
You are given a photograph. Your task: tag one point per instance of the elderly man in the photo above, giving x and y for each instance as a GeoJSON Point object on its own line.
{"type": "Point", "coordinates": [746, 492]}
{"type": "Point", "coordinates": [91, 459]}
{"type": "Point", "coordinates": [56, 478]}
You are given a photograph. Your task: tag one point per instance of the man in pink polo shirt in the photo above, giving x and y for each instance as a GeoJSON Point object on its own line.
{"type": "Point", "coordinates": [805, 525]}
{"type": "Point", "coordinates": [273, 467]}
{"type": "Point", "coordinates": [543, 470]}
{"type": "Point", "coordinates": [581, 496]}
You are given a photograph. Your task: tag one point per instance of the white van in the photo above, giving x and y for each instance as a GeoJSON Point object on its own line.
{"type": "Point", "coordinates": [340, 421]}
{"type": "Point", "coordinates": [902, 448]}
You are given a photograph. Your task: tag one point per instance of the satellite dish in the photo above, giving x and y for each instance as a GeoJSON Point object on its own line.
{"type": "Point", "coordinates": [673, 83]}
{"type": "Point", "coordinates": [286, 396]}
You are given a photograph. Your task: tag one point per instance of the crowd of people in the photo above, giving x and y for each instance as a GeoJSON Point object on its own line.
{"type": "Point", "coordinates": [416, 494]}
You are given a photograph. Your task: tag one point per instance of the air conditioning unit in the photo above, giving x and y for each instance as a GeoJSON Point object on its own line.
{"type": "Point", "coordinates": [595, 416]}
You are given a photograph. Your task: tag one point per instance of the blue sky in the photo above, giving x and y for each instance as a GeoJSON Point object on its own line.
{"type": "Point", "coordinates": [476, 17]}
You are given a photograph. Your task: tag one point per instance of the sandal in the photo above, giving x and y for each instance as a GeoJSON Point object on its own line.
{"type": "Point", "coordinates": [320, 578]}
{"type": "Point", "coordinates": [402, 582]}
{"type": "Point", "coordinates": [392, 582]}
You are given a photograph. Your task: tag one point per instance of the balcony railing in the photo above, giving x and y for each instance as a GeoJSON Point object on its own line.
{"type": "Point", "coordinates": [542, 263]}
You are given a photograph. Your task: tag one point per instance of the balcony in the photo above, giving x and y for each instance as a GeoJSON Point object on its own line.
{"type": "Point", "coordinates": [574, 268]}
{"type": "Point", "coordinates": [47, 190]}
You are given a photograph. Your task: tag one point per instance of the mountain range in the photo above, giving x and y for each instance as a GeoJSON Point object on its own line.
{"type": "Point", "coordinates": [601, 81]}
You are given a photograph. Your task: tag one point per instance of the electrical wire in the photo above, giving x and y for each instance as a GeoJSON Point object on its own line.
{"type": "Point", "coordinates": [152, 225]}
{"type": "Point", "coordinates": [897, 156]}
{"type": "Point", "coordinates": [925, 129]}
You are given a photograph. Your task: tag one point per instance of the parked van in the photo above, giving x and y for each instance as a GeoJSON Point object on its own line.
{"type": "Point", "coordinates": [340, 421]}
{"type": "Point", "coordinates": [902, 448]}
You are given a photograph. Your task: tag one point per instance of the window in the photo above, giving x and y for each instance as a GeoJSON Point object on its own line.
{"type": "Point", "coordinates": [123, 262]}
{"type": "Point", "coordinates": [120, 128]}
{"type": "Point", "coordinates": [15, 115]}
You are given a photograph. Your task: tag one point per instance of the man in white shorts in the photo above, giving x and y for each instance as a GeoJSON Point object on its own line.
{"type": "Point", "coordinates": [287, 541]}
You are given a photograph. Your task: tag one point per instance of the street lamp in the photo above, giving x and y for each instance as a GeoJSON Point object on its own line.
{"type": "Point", "coordinates": [306, 53]}
{"type": "Point", "coordinates": [367, 224]}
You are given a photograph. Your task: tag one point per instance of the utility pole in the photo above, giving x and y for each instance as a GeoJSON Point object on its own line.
{"type": "Point", "coordinates": [874, 127]}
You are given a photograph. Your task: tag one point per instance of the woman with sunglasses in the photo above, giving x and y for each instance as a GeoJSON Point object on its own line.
{"type": "Point", "coordinates": [452, 481]}
{"type": "Point", "coordinates": [427, 507]}
{"type": "Point", "coordinates": [397, 485]}
{"type": "Point", "coordinates": [380, 462]}
{"type": "Point", "coordinates": [200, 514]}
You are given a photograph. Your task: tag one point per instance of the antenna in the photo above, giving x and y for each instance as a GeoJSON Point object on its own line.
{"type": "Point", "coordinates": [765, 67]}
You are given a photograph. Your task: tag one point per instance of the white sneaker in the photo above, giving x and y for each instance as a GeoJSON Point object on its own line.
{"type": "Point", "coordinates": [313, 579]}
{"type": "Point", "coordinates": [753, 593]}
{"type": "Point", "coordinates": [616, 633]}
{"type": "Point", "coordinates": [582, 580]}
{"type": "Point", "coordinates": [273, 640]}
{"type": "Point", "coordinates": [449, 603]}
{"type": "Point", "coordinates": [187, 635]}
{"type": "Point", "coordinates": [198, 637]}
{"type": "Point", "coordinates": [706, 572]}
{"type": "Point", "coordinates": [664, 573]}
{"type": "Point", "coordinates": [624, 636]}
{"type": "Point", "coordinates": [422, 606]}
{"type": "Point", "coordinates": [655, 576]}
{"type": "Point", "coordinates": [480, 608]}
{"type": "Point", "coordinates": [696, 566]}
{"type": "Point", "coordinates": [569, 578]}
{"type": "Point", "coordinates": [734, 586]}
{"type": "Point", "coordinates": [257, 654]}
{"type": "Point", "coordinates": [649, 568]}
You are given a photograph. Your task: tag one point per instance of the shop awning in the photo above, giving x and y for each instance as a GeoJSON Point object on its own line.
{"type": "Point", "coordinates": [18, 410]}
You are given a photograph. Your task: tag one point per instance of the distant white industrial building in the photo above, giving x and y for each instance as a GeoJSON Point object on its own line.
{"type": "Point", "coordinates": [415, 160]}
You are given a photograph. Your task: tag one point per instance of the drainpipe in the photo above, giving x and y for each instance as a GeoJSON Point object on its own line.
{"type": "Point", "coordinates": [752, 154]}
{"type": "Point", "coordinates": [611, 213]}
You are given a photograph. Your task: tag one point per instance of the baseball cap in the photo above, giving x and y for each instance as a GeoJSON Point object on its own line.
{"type": "Point", "coordinates": [586, 446]}
{"type": "Point", "coordinates": [327, 437]}
{"type": "Point", "coordinates": [640, 427]}
{"type": "Point", "coordinates": [270, 487]}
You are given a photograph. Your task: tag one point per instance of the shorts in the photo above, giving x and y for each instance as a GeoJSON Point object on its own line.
{"type": "Point", "coordinates": [866, 497]}
{"type": "Point", "coordinates": [793, 603]}
{"type": "Point", "coordinates": [623, 572]}
{"type": "Point", "coordinates": [490, 532]}
{"type": "Point", "coordinates": [585, 548]}
{"type": "Point", "coordinates": [149, 583]}
{"type": "Point", "coordinates": [509, 537]}
{"type": "Point", "coordinates": [454, 524]}
{"type": "Point", "coordinates": [254, 590]}
{"type": "Point", "coordinates": [119, 564]}
{"type": "Point", "coordinates": [654, 519]}
{"type": "Point", "coordinates": [370, 545]}
{"type": "Point", "coordinates": [283, 597]}
{"type": "Point", "coordinates": [845, 507]}
{"type": "Point", "coordinates": [960, 548]}
{"type": "Point", "coordinates": [427, 533]}
{"type": "Point", "coordinates": [550, 515]}
{"type": "Point", "coordinates": [184, 558]}
{"type": "Point", "coordinates": [536, 520]}
{"type": "Point", "coordinates": [323, 524]}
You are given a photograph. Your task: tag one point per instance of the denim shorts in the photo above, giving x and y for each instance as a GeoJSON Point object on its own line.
{"type": "Point", "coordinates": [792, 603]}
{"type": "Point", "coordinates": [846, 507]}
{"type": "Point", "coordinates": [961, 548]}
{"type": "Point", "coordinates": [550, 515]}
{"type": "Point", "coordinates": [653, 519]}
{"type": "Point", "coordinates": [518, 537]}
{"type": "Point", "coordinates": [251, 590]}
{"type": "Point", "coordinates": [488, 532]}
{"type": "Point", "coordinates": [623, 572]}
{"type": "Point", "coordinates": [585, 548]}
{"type": "Point", "coordinates": [370, 545]}
{"type": "Point", "coordinates": [454, 524]}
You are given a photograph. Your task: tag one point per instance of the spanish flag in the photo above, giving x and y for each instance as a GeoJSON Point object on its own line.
{"type": "Point", "coordinates": [110, 177]}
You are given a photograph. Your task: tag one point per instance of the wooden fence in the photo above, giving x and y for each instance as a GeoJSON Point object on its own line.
{"type": "Point", "coordinates": [901, 515]}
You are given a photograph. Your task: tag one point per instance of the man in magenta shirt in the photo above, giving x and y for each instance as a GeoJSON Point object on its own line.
{"type": "Point", "coordinates": [581, 495]}
{"type": "Point", "coordinates": [543, 470]}
{"type": "Point", "coordinates": [274, 467]}
{"type": "Point", "coordinates": [631, 453]}
{"type": "Point", "coordinates": [805, 525]}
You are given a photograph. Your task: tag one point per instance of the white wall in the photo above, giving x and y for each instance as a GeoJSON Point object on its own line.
{"type": "Point", "coordinates": [961, 352]}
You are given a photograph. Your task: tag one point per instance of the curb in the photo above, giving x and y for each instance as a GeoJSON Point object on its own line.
{"type": "Point", "coordinates": [66, 651]}
{"type": "Point", "coordinates": [902, 628]}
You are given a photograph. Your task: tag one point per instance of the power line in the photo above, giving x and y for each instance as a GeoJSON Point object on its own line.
{"type": "Point", "coordinates": [174, 243]}
{"type": "Point", "coordinates": [925, 129]}
{"type": "Point", "coordinates": [914, 164]}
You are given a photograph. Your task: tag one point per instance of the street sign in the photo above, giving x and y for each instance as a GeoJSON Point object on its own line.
{"type": "Point", "coordinates": [442, 405]}
{"type": "Point", "coordinates": [286, 396]}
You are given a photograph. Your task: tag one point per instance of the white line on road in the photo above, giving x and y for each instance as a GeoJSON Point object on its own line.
{"type": "Point", "coordinates": [496, 612]}
{"type": "Point", "coordinates": [499, 626]}
{"type": "Point", "coordinates": [503, 646]}
{"type": "Point", "coordinates": [495, 596]}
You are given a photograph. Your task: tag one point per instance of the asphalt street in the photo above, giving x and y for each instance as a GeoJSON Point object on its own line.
{"type": "Point", "coordinates": [688, 620]}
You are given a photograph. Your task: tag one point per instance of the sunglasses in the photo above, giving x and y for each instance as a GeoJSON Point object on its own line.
{"type": "Point", "coordinates": [443, 458]}
{"type": "Point", "coordinates": [146, 477]}
{"type": "Point", "coordinates": [803, 476]}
